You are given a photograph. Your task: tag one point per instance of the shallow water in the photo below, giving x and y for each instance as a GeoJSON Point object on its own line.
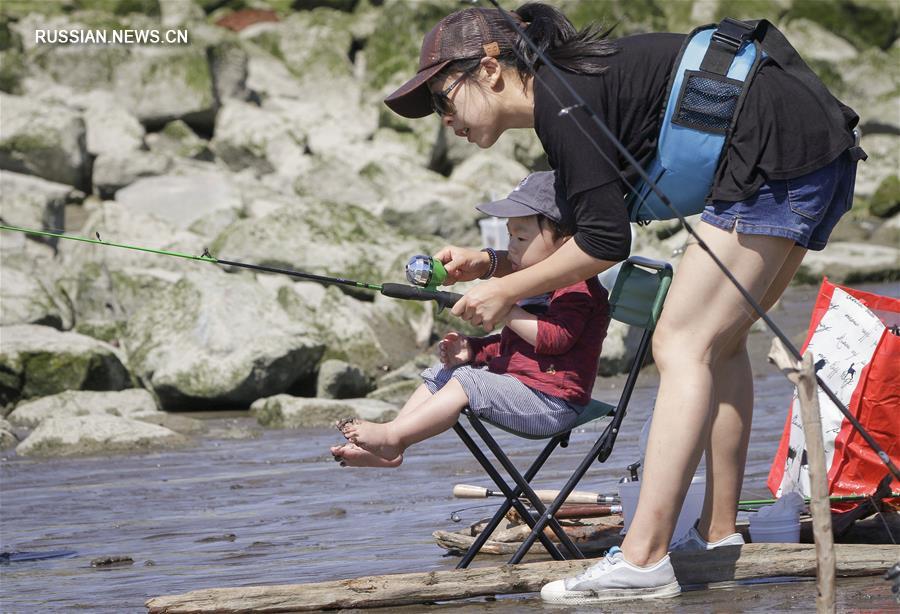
{"type": "Point", "coordinates": [277, 509]}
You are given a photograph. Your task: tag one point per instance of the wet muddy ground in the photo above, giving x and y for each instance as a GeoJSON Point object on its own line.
{"type": "Point", "coordinates": [276, 509]}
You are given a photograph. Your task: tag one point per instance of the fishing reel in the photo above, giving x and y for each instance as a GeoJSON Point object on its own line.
{"type": "Point", "coordinates": [425, 272]}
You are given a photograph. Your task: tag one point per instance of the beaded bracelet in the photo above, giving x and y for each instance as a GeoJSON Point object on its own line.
{"type": "Point", "coordinates": [493, 267]}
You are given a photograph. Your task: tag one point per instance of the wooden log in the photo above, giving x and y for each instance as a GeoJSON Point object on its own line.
{"type": "Point", "coordinates": [720, 565]}
{"type": "Point", "coordinates": [803, 375]}
{"type": "Point", "coordinates": [572, 512]}
{"type": "Point", "coordinates": [589, 544]}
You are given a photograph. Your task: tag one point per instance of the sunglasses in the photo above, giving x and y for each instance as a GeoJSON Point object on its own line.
{"type": "Point", "coordinates": [440, 101]}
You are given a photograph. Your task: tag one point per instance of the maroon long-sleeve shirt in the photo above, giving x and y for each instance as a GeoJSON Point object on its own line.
{"type": "Point", "coordinates": [563, 362]}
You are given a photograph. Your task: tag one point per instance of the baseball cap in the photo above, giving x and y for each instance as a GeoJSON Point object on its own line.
{"type": "Point", "coordinates": [467, 34]}
{"type": "Point", "coordinates": [535, 195]}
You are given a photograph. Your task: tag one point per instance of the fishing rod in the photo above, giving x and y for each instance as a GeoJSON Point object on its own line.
{"type": "Point", "coordinates": [421, 270]}
{"type": "Point", "coordinates": [466, 491]}
{"type": "Point", "coordinates": [580, 102]}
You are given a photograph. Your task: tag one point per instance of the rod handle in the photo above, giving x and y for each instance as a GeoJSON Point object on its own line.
{"type": "Point", "coordinates": [576, 496]}
{"type": "Point", "coordinates": [465, 491]}
{"type": "Point", "coordinates": [413, 293]}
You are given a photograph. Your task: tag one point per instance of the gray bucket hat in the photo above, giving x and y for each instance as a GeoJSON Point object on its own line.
{"type": "Point", "coordinates": [535, 195]}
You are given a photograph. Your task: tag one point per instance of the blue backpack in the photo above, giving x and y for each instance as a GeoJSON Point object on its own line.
{"type": "Point", "coordinates": [706, 90]}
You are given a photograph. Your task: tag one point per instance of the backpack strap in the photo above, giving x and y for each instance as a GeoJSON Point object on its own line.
{"type": "Point", "coordinates": [726, 41]}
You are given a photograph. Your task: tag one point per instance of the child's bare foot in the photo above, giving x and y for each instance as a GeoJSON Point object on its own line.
{"type": "Point", "coordinates": [351, 455]}
{"type": "Point", "coordinates": [376, 438]}
{"type": "Point", "coordinates": [343, 423]}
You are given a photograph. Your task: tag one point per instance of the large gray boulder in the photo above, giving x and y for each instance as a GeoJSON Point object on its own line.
{"type": "Point", "coordinates": [182, 200]}
{"type": "Point", "coordinates": [312, 44]}
{"type": "Point", "coordinates": [24, 299]}
{"type": "Point", "coordinates": [39, 361]}
{"type": "Point", "coordinates": [488, 169]}
{"type": "Point", "coordinates": [247, 136]}
{"type": "Point", "coordinates": [8, 437]}
{"type": "Point", "coordinates": [409, 371]}
{"type": "Point", "coordinates": [268, 77]}
{"type": "Point", "coordinates": [110, 128]}
{"type": "Point", "coordinates": [217, 339]}
{"type": "Point", "coordinates": [385, 177]}
{"type": "Point", "coordinates": [883, 162]}
{"type": "Point", "coordinates": [285, 411]}
{"type": "Point", "coordinates": [229, 64]}
{"type": "Point", "coordinates": [36, 203]}
{"type": "Point", "coordinates": [371, 335]}
{"type": "Point", "coordinates": [130, 403]}
{"type": "Point", "coordinates": [341, 380]}
{"type": "Point", "coordinates": [44, 139]}
{"type": "Point", "coordinates": [888, 233]}
{"type": "Point", "coordinates": [174, 14]}
{"type": "Point", "coordinates": [158, 83]}
{"type": "Point", "coordinates": [316, 47]}
{"type": "Point", "coordinates": [113, 172]}
{"type": "Point", "coordinates": [315, 83]}
{"type": "Point", "coordinates": [848, 263]}
{"type": "Point", "coordinates": [97, 288]}
{"type": "Point", "coordinates": [619, 348]}
{"type": "Point", "coordinates": [871, 83]}
{"type": "Point", "coordinates": [325, 238]}
{"type": "Point", "coordinates": [816, 43]}
{"type": "Point", "coordinates": [95, 434]}
{"type": "Point", "coordinates": [178, 140]}
{"type": "Point", "coordinates": [104, 297]}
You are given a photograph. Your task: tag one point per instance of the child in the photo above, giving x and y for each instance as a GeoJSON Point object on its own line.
{"type": "Point", "coordinates": [535, 376]}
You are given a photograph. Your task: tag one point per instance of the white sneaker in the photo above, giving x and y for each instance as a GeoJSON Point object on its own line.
{"type": "Point", "coordinates": [614, 578]}
{"type": "Point", "coordinates": [692, 541]}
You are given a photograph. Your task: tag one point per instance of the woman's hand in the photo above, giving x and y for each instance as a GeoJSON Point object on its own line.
{"type": "Point", "coordinates": [486, 304]}
{"type": "Point", "coordinates": [463, 263]}
{"type": "Point", "coordinates": [454, 350]}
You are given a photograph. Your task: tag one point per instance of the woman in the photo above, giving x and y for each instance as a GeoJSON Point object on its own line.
{"type": "Point", "coordinates": [783, 183]}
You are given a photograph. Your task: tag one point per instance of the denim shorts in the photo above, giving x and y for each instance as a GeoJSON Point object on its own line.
{"type": "Point", "coordinates": [805, 209]}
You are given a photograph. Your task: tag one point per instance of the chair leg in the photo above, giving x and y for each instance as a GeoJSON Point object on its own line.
{"type": "Point", "coordinates": [511, 469]}
{"type": "Point", "coordinates": [512, 500]}
{"type": "Point", "coordinates": [570, 485]}
{"type": "Point", "coordinates": [507, 504]}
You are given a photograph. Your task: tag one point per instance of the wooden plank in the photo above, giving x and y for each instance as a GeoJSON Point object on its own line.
{"type": "Point", "coordinates": [720, 565]}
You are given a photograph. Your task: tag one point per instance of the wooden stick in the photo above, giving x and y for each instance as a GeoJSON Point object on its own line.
{"type": "Point", "coordinates": [570, 512]}
{"type": "Point", "coordinates": [803, 375]}
{"type": "Point", "coordinates": [720, 565]}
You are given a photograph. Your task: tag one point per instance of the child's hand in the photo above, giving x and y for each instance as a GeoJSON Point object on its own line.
{"type": "Point", "coordinates": [454, 350]}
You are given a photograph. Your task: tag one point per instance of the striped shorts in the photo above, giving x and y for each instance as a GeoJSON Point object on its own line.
{"type": "Point", "coordinates": [505, 401]}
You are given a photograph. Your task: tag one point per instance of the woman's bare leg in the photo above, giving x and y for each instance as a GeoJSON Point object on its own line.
{"type": "Point", "coordinates": [726, 451]}
{"type": "Point", "coordinates": [702, 313]}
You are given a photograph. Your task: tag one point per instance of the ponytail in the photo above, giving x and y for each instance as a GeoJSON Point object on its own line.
{"type": "Point", "coordinates": [556, 37]}
{"type": "Point", "coordinates": [552, 32]}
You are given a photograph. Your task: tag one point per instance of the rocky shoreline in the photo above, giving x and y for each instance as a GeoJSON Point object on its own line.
{"type": "Point", "coordinates": [264, 140]}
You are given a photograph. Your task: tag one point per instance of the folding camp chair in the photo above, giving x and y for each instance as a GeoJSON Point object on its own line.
{"type": "Point", "coordinates": [636, 299]}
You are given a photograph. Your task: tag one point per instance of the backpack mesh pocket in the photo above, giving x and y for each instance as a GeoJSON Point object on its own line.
{"type": "Point", "coordinates": [707, 101]}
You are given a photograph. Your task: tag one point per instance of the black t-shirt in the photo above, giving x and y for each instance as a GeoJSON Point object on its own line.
{"type": "Point", "coordinates": [780, 134]}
